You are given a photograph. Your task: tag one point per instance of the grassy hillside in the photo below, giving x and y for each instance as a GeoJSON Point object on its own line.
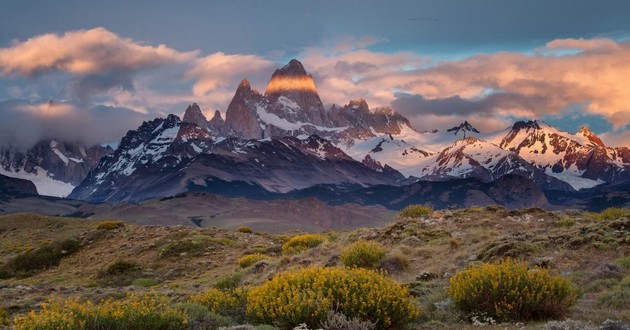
{"type": "Point", "coordinates": [421, 251]}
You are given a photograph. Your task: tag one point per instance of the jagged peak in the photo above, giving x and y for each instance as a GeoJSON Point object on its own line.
{"type": "Point", "coordinates": [593, 139]}
{"type": "Point", "coordinates": [194, 115]}
{"type": "Point", "coordinates": [292, 77]}
{"type": "Point", "coordinates": [533, 124]}
{"type": "Point", "coordinates": [217, 116]}
{"type": "Point", "coordinates": [359, 103]}
{"type": "Point", "coordinates": [244, 84]}
{"type": "Point", "coordinates": [293, 68]}
{"type": "Point", "coordinates": [463, 127]}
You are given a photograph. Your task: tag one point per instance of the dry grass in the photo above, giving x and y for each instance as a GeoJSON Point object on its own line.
{"type": "Point", "coordinates": [585, 249]}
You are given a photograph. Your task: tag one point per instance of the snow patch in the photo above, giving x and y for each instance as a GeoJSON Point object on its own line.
{"type": "Point", "coordinates": [43, 181]}
{"type": "Point", "coordinates": [578, 183]}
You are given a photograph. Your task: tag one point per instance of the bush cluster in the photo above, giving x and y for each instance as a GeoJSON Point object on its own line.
{"type": "Point", "coordinates": [219, 301]}
{"type": "Point", "coordinates": [250, 259]}
{"type": "Point", "coordinates": [309, 295]}
{"type": "Point", "coordinates": [364, 254]}
{"type": "Point", "coordinates": [301, 243]}
{"type": "Point", "coordinates": [509, 290]}
{"type": "Point", "coordinates": [612, 213]}
{"type": "Point", "coordinates": [415, 211]}
{"type": "Point", "coordinates": [244, 229]}
{"type": "Point", "coordinates": [32, 261]}
{"type": "Point", "coordinates": [110, 225]}
{"type": "Point", "coordinates": [136, 312]}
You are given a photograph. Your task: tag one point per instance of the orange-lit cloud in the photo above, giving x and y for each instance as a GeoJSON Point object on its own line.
{"type": "Point", "coordinates": [593, 75]}
{"type": "Point", "coordinates": [220, 72]}
{"type": "Point", "coordinates": [84, 52]}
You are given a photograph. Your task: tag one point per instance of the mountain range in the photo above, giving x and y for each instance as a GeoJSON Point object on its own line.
{"type": "Point", "coordinates": [284, 142]}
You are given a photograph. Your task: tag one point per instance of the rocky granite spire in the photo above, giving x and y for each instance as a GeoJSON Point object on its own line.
{"type": "Point", "coordinates": [194, 115]}
{"type": "Point", "coordinates": [241, 114]}
{"type": "Point", "coordinates": [293, 91]}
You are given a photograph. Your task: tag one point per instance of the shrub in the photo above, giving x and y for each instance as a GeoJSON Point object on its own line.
{"type": "Point", "coordinates": [338, 321]}
{"type": "Point", "coordinates": [365, 254]}
{"type": "Point", "coordinates": [119, 273]}
{"type": "Point", "coordinates": [624, 262]}
{"type": "Point", "coordinates": [250, 259]}
{"type": "Point", "coordinates": [394, 262]}
{"type": "Point", "coordinates": [415, 211]}
{"type": "Point", "coordinates": [145, 282]}
{"type": "Point", "coordinates": [47, 256]}
{"type": "Point", "coordinates": [244, 229]}
{"type": "Point", "coordinates": [135, 312]}
{"type": "Point", "coordinates": [565, 222]}
{"type": "Point", "coordinates": [612, 213]}
{"type": "Point", "coordinates": [183, 247]}
{"type": "Point", "coordinates": [308, 295]}
{"type": "Point", "coordinates": [4, 317]}
{"type": "Point", "coordinates": [302, 243]}
{"type": "Point", "coordinates": [619, 298]}
{"type": "Point", "coordinates": [508, 290]}
{"type": "Point", "coordinates": [218, 301]}
{"type": "Point", "coordinates": [110, 225]}
{"type": "Point", "coordinates": [228, 282]}
{"type": "Point", "coordinates": [199, 317]}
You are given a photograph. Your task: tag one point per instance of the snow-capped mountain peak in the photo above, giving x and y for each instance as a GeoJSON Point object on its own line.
{"type": "Point", "coordinates": [463, 128]}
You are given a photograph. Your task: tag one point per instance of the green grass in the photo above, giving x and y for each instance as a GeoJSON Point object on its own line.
{"type": "Point", "coordinates": [145, 282]}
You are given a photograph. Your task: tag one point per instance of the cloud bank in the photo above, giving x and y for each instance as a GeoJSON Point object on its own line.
{"type": "Point", "coordinates": [131, 81]}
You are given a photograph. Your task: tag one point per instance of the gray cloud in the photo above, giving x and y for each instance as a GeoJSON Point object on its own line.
{"type": "Point", "coordinates": [24, 123]}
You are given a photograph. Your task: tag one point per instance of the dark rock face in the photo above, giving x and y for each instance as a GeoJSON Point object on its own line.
{"type": "Point", "coordinates": [463, 128]}
{"type": "Point", "coordinates": [357, 114]}
{"type": "Point", "coordinates": [12, 186]}
{"type": "Point", "coordinates": [64, 161]}
{"type": "Point", "coordinates": [241, 113]}
{"type": "Point", "coordinates": [293, 96]}
{"type": "Point", "coordinates": [194, 115]}
{"type": "Point", "coordinates": [164, 157]}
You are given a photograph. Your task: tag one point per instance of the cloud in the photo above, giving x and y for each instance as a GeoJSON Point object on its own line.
{"type": "Point", "coordinates": [220, 70]}
{"type": "Point", "coordinates": [99, 59]}
{"type": "Point", "coordinates": [619, 138]}
{"type": "Point", "coordinates": [505, 84]}
{"type": "Point", "coordinates": [24, 123]}
{"type": "Point", "coordinates": [582, 44]}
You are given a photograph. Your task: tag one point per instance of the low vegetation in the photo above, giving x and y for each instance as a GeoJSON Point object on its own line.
{"type": "Point", "coordinates": [461, 268]}
{"type": "Point", "coordinates": [288, 299]}
{"type": "Point", "coordinates": [364, 254]}
{"type": "Point", "coordinates": [250, 259]}
{"type": "Point", "coordinates": [136, 312]}
{"type": "Point", "coordinates": [508, 290]}
{"type": "Point", "coordinates": [244, 229]}
{"type": "Point", "coordinates": [301, 243]}
{"type": "Point", "coordinates": [415, 211]}
{"type": "Point", "coordinates": [110, 225]}
{"type": "Point", "coordinates": [32, 261]}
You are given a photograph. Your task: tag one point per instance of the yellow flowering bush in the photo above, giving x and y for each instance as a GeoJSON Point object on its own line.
{"type": "Point", "coordinates": [136, 312]}
{"type": "Point", "coordinates": [309, 295]}
{"type": "Point", "coordinates": [244, 229]}
{"type": "Point", "coordinates": [612, 213]}
{"type": "Point", "coordinates": [510, 290]}
{"type": "Point", "coordinates": [415, 211]}
{"type": "Point", "coordinates": [365, 254]}
{"type": "Point", "coordinates": [218, 301]}
{"type": "Point", "coordinates": [110, 225]}
{"type": "Point", "coordinates": [302, 242]}
{"type": "Point", "coordinates": [250, 259]}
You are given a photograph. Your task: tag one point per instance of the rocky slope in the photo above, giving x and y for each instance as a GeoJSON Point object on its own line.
{"type": "Point", "coordinates": [165, 157]}
{"type": "Point", "coordinates": [55, 167]}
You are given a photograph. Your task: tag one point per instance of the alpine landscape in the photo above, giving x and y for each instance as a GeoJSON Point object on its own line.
{"type": "Point", "coordinates": [314, 165]}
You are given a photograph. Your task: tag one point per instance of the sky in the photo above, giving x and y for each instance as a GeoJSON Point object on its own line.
{"type": "Point", "coordinates": [91, 70]}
